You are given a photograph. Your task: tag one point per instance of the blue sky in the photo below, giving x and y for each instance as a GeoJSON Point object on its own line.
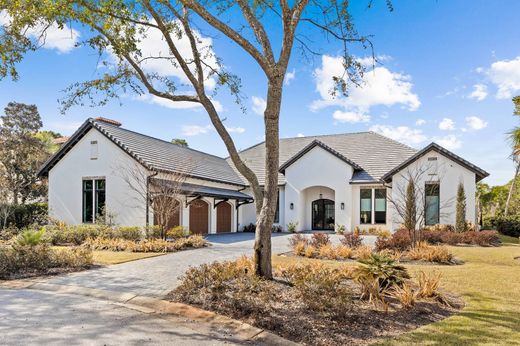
{"type": "Point", "coordinates": [447, 74]}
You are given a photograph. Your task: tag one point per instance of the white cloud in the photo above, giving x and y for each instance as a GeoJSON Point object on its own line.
{"type": "Point", "coordinates": [449, 142]}
{"type": "Point", "coordinates": [479, 92]}
{"type": "Point", "coordinates": [420, 122]}
{"type": "Point", "coordinates": [300, 135]}
{"type": "Point", "coordinates": [476, 123]}
{"type": "Point", "coordinates": [194, 130]}
{"type": "Point", "coordinates": [51, 37]}
{"type": "Point", "coordinates": [259, 105]}
{"type": "Point", "coordinates": [505, 74]}
{"type": "Point", "coordinates": [289, 76]}
{"type": "Point", "coordinates": [236, 129]}
{"type": "Point", "coordinates": [380, 86]}
{"type": "Point", "coordinates": [350, 117]}
{"type": "Point", "coordinates": [447, 124]}
{"type": "Point", "coordinates": [152, 99]}
{"type": "Point", "coordinates": [155, 50]}
{"type": "Point", "coordinates": [403, 134]}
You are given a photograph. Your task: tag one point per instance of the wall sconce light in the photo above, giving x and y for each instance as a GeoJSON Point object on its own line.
{"type": "Point", "coordinates": [342, 206]}
{"type": "Point", "coordinates": [321, 196]}
{"type": "Point", "coordinates": [291, 206]}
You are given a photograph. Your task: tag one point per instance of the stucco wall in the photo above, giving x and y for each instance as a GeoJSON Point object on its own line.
{"type": "Point", "coordinates": [317, 168]}
{"type": "Point", "coordinates": [65, 182]}
{"type": "Point", "coordinates": [449, 174]}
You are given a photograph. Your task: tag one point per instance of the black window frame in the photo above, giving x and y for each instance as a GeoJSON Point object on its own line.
{"type": "Point", "coordinates": [277, 213]}
{"type": "Point", "coordinates": [93, 199]}
{"type": "Point", "coordinates": [361, 212]}
{"type": "Point", "coordinates": [426, 191]}
{"type": "Point", "coordinates": [380, 212]}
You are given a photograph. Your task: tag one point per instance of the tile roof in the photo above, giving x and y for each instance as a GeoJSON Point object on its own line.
{"type": "Point", "coordinates": [373, 153]}
{"type": "Point", "coordinates": [155, 154]}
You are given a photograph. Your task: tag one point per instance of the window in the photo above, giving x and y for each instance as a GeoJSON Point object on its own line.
{"type": "Point", "coordinates": [432, 203]}
{"type": "Point", "coordinates": [380, 206]}
{"type": "Point", "coordinates": [366, 206]}
{"type": "Point", "coordinates": [93, 150]}
{"type": "Point", "coordinates": [93, 199]}
{"type": "Point", "coordinates": [277, 213]}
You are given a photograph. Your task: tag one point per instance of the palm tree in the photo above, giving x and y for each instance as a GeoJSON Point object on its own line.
{"type": "Point", "coordinates": [514, 138]}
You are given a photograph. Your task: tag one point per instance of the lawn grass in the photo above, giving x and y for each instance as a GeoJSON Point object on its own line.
{"type": "Point", "coordinates": [508, 240]}
{"type": "Point", "coordinates": [489, 283]}
{"type": "Point", "coordinates": [113, 257]}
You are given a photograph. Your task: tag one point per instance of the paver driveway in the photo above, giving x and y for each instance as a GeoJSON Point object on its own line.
{"type": "Point", "coordinates": [155, 277]}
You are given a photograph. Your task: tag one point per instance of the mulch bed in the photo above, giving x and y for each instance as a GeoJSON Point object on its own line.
{"type": "Point", "coordinates": [48, 272]}
{"type": "Point", "coordinates": [361, 325]}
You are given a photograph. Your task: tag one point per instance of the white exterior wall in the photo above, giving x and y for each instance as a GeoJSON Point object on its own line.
{"type": "Point", "coordinates": [113, 164]}
{"type": "Point", "coordinates": [449, 174]}
{"type": "Point", "coordinates": [317, 168]}
{"type": "Point", "coordinates": [65, 182]}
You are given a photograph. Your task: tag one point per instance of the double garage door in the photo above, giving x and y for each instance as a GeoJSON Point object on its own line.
{"type": "Point", "coordinates": [199, 211]}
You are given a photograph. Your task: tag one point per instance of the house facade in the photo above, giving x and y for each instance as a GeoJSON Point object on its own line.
{"type": "Point", "coordinates": [354, 180]}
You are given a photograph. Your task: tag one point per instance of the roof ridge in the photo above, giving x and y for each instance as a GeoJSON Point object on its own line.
{"type": "Point", "coordinates": [393, 140]}
{"type": "Point", "coordinates": [161, 140]}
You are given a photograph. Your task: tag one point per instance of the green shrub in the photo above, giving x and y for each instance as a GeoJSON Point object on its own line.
{"type": "Point", "coordinates": [30, 238]}
{"type": "Point", "coordinates": [147, 245]}
{"type": "Point", "coordinates": [177, 232]}
{"type": "Point", "coordinates": [152, 232]}
{"type": "Point", "coordinates": [27, 215]}
{"type": "Point", "coordinates": [127, 233]}
{"type": "Point", "coordinates": [76, 235]}
{"type": "Point", "coordinates": [251, 228]}
{"type": "Point", "coordinates": [291, 227]}
{"type": "Point", "coordinates": [507, 225]}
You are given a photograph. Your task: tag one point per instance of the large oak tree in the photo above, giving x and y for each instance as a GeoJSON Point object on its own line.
{"type": "Point", "coordinates": [121, 28]}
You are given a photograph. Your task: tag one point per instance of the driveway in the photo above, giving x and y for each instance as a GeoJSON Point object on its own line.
{"type": "Point", "coordinates": [30, 317]}
{"type": "Point", "coordinates": [157, 276]}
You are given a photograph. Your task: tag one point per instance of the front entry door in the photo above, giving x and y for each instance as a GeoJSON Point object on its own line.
{"type": "Point", "coordinates": [323, 214]}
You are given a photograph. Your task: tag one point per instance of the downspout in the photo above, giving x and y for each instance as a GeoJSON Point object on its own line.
{"type": "Point", "coordinates": [148, 178]}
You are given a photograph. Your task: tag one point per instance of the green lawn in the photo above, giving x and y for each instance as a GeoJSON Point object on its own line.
{"type": "Point", "coordinates": [508, 240]}
{"type": "Point", "coordinates": [489, 283]}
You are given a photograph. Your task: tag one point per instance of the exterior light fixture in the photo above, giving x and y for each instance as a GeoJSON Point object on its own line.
{"type": "Point", "coordinates": [342, 206]}
{"type": "Point", "coordinates": [291, 206]}
{"type": "Point", "coordinates": [321, 196]}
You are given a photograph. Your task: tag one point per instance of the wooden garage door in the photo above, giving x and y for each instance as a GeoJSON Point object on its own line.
{"type": "Point", "coordinates": [224, 217]}
{"type": "Point", "coordinates": [172, 216]}
{"type": "Point", "coordinates": [199, 215]}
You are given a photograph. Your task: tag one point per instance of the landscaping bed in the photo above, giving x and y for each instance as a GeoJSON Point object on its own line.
{"type": "Point", "coordinates": [317, 304]}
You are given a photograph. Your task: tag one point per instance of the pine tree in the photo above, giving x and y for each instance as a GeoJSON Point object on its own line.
{"type": "Point", "coordinates": [460, 217]}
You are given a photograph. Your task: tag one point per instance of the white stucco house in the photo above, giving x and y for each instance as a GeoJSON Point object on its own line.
{"type": "Point", "coordinates": [352, 179]}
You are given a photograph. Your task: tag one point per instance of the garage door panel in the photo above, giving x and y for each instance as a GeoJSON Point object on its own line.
{"type": "Point", "coordinates": [199, 217]}
{"type": "Point", "coordinates": [224, 217]}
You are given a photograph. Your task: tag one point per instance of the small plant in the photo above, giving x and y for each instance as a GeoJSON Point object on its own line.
{"type": "Point", "coordinates": [251, 228]}
{"type": "Point", "coordinates": [352, 240]}
{"type": "Point", "coordinates": [343, 252]}
{"type": "Point", "coordinates": [30, 238]}
{"type": "Point", "coordinates": [320, 239]}
{"type": "Point", "coordinates": [428, 284]}
{"type": "Point", "coordinates": [405, 294]}
{"type": "Point", "coordinates": [277, 229]}
{"type": "Point", "coordinates": [291, 227]}
{"type": "Point", "coordinates": [177, 232]}
{"type": "Point", "coordinates": [379, 270]}
{"type": "Point", "coordinates": [340, 229]}
{"type": "Point", "coordinates": [299, 248]}
{"type": "Point", "coordinates": [310, 251]}
{"type": "Point", "coordinates": [362, 252]}
{"type": "Point", "coordinates": [298, 238]}
{"type": "Point", "coordinates": [430, 253]}
{"type": "Point", "coordinates": [327, 251]}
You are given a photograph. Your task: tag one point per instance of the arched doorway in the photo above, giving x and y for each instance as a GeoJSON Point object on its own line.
{"type": "Point", "coordinates": [224, 217]}
{"type": "Point", "coordinates": [323, 214]}
{"type": "Point", "coordinates": [199, 217]}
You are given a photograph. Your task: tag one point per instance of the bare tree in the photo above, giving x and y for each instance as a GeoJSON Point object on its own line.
{"type": "Point", "coordinates": [267, 31]}
{"type": "Point", "coordinates": [161, 192]}
{"type": "Point", "coordinates": [409, 202]}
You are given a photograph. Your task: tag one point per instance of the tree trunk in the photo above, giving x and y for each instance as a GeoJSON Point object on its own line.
{"type": "Point", "coordinates": [511, 189]}
{"type": "Point", "coordinates": [265, 214]}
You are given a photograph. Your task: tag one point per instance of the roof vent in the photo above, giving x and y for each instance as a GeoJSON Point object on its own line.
{"type": "Point", "coordinates": [108, 121]}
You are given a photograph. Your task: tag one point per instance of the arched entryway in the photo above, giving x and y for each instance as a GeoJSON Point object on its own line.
{"type": "Point", "coordinates": [224, 217]}
{"type": "Point", "coordinates": [199, 217]}
{"type": "Point", "coordinates": [167, 212]}
{"type": "Point", "coordinates": [323, 214]}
